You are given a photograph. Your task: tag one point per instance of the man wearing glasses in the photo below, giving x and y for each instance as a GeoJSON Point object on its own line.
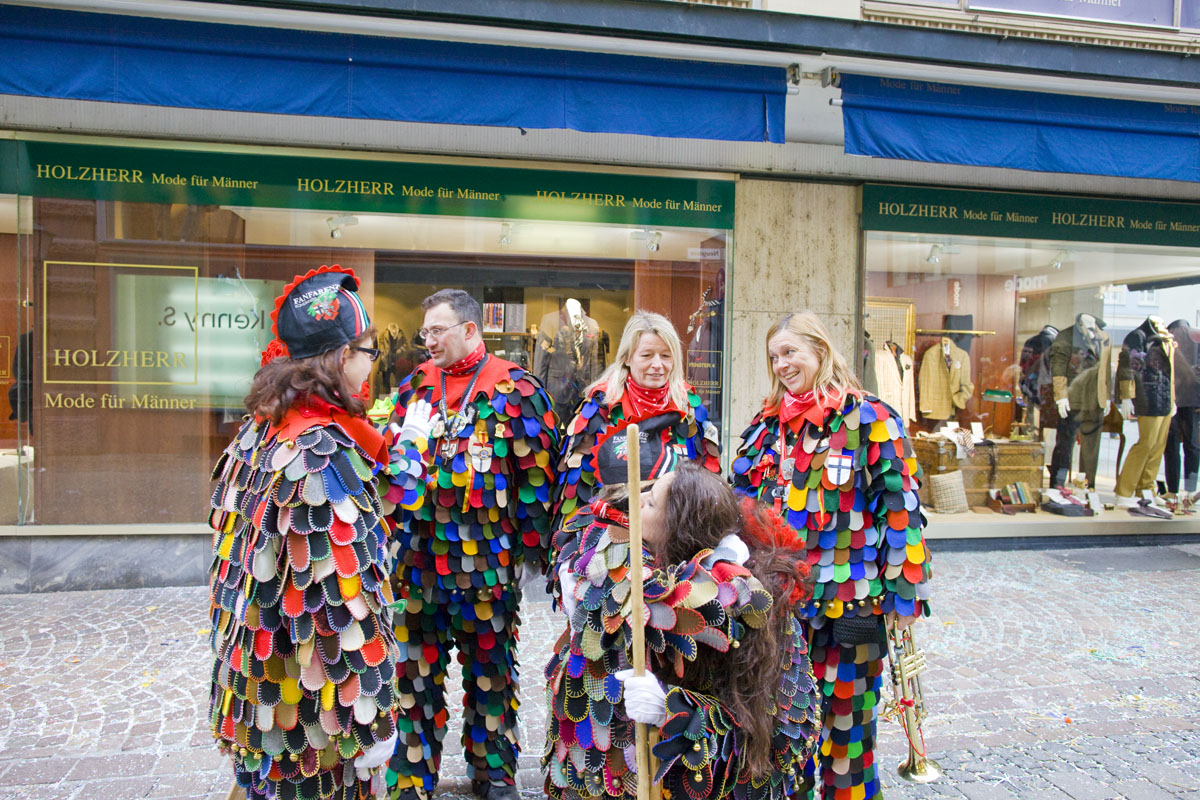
{"type": "Point", "coordinates": [472, 470]}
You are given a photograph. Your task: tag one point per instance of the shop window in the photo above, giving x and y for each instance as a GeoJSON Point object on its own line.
{"type": "Point", "coordinates": [1032, 349]}
{"type": "Point", "coordinates": [147, 321]}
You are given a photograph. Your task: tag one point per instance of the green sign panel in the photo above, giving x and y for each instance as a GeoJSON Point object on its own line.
{"type": "Point", "coordinates": [920, 209]}
{"type": "Point", "coordinates": [151, 175]}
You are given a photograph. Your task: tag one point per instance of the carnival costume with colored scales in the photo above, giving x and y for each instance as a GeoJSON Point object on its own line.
{"type": "Point", "coordinates": [707, 602]}
{"type": "Point", "coordinates": [844, 476]}
{"type": "Point", "coordinates": [695, 436]}
{"type": "Point", "coordinates": [470, 511]}
{"type": "Point", "coordinates": [304, 654]}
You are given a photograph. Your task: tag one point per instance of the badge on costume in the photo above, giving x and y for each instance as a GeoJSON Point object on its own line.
{"type": "Point", "coordinates": [839, 467]}
{"type": "Point", "coordinates": [481, 455]}
{"type": "Point", "coordinates": [439, 428]}
{"type": "Point", "coordinates": [786, 468]}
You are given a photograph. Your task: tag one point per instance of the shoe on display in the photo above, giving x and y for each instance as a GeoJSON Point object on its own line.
{"type": "Point", "coordinates": [1144, 508]}
{"type": "Point", "coordinates": [1126, 502]}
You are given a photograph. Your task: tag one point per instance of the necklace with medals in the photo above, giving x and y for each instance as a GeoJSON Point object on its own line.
{"type": "Point", "coordinates": [450, 427]}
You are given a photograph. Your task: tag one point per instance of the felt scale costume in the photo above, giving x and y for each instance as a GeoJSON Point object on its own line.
{"type": "Point", "coordinates": [843, 474]}
{"type": "Point", "coordinates": [301, 626]}
{"type": "Point", "coordinates": [709, 601]}
{"type": "Point", "coordinates": [694, 436]}
{"type": "Point", "coordinates": [470, 511]}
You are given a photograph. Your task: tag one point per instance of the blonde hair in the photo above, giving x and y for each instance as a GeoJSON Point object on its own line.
{"type": "Point", "coordinates": [834, 378]}
{"type": "Point", "coordinates": [614, 377]}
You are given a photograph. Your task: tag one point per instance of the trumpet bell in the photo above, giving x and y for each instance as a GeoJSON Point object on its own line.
{"type": "Point", "coordinates": [920, 770]}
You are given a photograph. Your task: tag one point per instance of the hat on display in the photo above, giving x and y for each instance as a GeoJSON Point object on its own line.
{"type": "Point", "coordinates": [658, 454]}
{"type": "Point", "coordinates": [317, 312]}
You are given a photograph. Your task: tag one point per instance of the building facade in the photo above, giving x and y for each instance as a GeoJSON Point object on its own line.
{"type": "Point", "coordinates": [163, 172]}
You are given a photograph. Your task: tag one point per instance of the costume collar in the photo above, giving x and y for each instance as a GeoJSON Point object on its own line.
{"type": "Point", "coordinates": [606, 513]}
{"type": "Point", "coordinates": [494, 371]}
{"type": "Point", "coordinates": [311, 412]}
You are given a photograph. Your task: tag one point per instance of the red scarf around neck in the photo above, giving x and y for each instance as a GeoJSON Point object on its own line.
{"type": "Point", "coordinates": [640, 402]}
{"type": "Point", "coordinates": [796, 409]}
{"type": "Point", "coordinates": [467, 364]}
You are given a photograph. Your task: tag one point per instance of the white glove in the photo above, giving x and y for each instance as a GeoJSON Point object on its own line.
{"type": "Point", "coordinates": [1064, 407]}
{"type": "Point", "coordinates": [566, 583]}
{"type": "Point", "coordinates": [418, 422]}
{"type": "Point", "coordinates": [529, 574]}
{"type": "Point", "coordinates": [645, 700]}
{"type": "Point", "coordinates": [734, 543]}
{"type": "Point", "coordinates": [375, 756]}
{"type": "Point", "coordinates": [1127, 408]}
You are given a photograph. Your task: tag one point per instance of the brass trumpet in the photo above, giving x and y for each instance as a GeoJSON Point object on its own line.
{"type": "Point", "coordinates": [908, 702]}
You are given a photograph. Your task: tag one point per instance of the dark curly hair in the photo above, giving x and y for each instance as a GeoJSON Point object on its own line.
{"type": "Point", "coordinates": [281, 382]}
{"type": "Point", "coordinates": [703, 509]}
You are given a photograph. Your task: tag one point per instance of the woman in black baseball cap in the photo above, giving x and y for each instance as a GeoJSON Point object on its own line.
{"type": "Point", "coordinates": [304, 654]}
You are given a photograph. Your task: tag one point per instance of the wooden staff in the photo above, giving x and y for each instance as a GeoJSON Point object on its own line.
{"type": "Point", "coordinates": [637, 621]}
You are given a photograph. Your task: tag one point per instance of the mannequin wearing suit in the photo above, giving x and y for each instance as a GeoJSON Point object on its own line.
{"type": "Point", "coordinates": [944, 385]}
{"type": "Point", "coordinates": [894, 378]}
{"type": "Point", "coordinates": [1146, 386]}
{"type": "Point", "coordinates": [1081, 369]}
{"type": "Point", "coordinates": [567, 355]}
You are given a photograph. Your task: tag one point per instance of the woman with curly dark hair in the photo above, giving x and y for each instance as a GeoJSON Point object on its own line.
{"type": "Point", "coordinates": [303, 650]}
{"type": "Point", "coordinates": [731, 689]}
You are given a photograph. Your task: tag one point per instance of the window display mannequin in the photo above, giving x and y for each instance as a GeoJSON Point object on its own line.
{"type": "Point", "coordinates": [1146, 386]}
{"type": "Point", "coordinates": [1081, 370]}
{"type": "Point", "coordinates": [944, 384]}
{"type": "Point", "coordinates": [1184, 431]}
{"type": "Point", "coordinates": [1035, 371]}
{"type": "Point", "coordinates": [894, 379]}
{"type": "Point", "coordinates": [398, 358]}
{"type": "Point", "coordinates": [567, 355]}
{"type": "Point", "coordinates": [705, 332]}
{"type": "Point", "coordinates": [868, 365]}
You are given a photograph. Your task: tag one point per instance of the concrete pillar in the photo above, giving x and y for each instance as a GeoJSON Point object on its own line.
{"type": "Point", "coordinates": [795, 246]}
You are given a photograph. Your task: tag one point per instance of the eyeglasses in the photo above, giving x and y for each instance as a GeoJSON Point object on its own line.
{"type": "Point", "coordinates": [437, 331]}
{"type": "Point", "coordinates": [373, 353]}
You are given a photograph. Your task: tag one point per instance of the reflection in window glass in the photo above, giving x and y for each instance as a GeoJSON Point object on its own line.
{"type": "Point", "coordinates": [150, 320]}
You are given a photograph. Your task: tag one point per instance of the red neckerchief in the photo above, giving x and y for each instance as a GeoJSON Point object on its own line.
{"type": "Point", "coordinates": [494, 371]}
{"type": "Point", "coordinates": [466, 365]}
{"type": "Point", "coordinates": [606, 513]}
{"type": "Point", "coordinates": [310, 412]}
{"type": "Point", "coordinates": [794, 410]}
{"type": "Point", "coordinates": [642, 402]}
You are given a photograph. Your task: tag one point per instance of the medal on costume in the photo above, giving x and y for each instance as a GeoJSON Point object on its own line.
{"type": "Point", "coordinates": [786, 468]}
{"type": "Point", "coordinates": [451, 427]}
{"type": "Point", "coordinates": [481, 454]}
{"type": "Point", "coordinates": [839, 467]}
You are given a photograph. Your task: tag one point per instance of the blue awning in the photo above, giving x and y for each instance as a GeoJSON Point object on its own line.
{"type": "Point", "coordinates": [953, 124]}
{"type": "Point", "coordinates": [129, 59]}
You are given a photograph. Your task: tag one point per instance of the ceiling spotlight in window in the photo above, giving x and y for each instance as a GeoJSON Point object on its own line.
{"type": "Point", "coordinates": [505, 237]}
{"type": "Point", "coordinates": [1059, 258]}
{"type": "Point", "coordinates": [654, 242]}
{"type": "Point", "coordinates": [935, 254]}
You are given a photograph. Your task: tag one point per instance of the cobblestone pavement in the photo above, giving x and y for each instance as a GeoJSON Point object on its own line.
{"type": "Point", "coordinates": [1053, 674]}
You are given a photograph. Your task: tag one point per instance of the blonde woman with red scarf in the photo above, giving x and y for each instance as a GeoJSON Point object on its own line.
{"type": "Point", "coordinates": [304, 654]}
{"type": "Point", "coordinates": [644, 381]}
{"type": "Point", "coordinates": [837, 464]}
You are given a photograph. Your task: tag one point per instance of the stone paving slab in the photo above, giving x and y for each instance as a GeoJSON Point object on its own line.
{"type": "Point", "coordinates": [1054, 675]}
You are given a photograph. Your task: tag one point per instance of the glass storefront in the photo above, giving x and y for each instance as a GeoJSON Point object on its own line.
{"type": "Point", "coordinates": [1044, 350]}
{"type": "Point", "coordinates": [142, 281]}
